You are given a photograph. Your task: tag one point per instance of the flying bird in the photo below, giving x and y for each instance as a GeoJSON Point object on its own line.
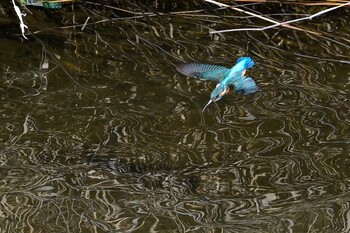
{"type": "Point", "coordinates": [225, 77]}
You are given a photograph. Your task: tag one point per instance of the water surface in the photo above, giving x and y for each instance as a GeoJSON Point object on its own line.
{"type": "Point", "coordinates": [100, 133]}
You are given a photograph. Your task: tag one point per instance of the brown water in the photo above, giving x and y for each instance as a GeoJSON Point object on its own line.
{"type": "Point", "coordinates": [111, 138]}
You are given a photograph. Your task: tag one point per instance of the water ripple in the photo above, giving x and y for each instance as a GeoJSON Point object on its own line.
{"type": "Point", "coordinates": [143, 156]}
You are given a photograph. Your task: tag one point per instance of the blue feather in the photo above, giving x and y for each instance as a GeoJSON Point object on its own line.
{"type": "Point", "coordinates": [247, 62]}
{"type": "Point", "coordinates": [236, 71]}
{"type": "Point", "coordinates": [249, 86]}
{"type": "Point", "coordinates": [204, 71]}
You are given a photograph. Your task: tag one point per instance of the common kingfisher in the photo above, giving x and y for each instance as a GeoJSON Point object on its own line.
{"type": "Point", "coordinates": [225, 77]}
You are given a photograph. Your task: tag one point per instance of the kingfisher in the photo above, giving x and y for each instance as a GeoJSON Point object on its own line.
{"type": "Point", "coordinates": [226, 77]}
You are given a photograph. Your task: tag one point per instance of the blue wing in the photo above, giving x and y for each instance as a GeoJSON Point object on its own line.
{"type": "Point", "coordinates": [246, 85]}
{"type": "Point", "coordinates": [204, 71]}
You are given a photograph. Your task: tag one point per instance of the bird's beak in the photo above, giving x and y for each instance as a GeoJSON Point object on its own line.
{"type": "Point", "coordinates": [210, 101]}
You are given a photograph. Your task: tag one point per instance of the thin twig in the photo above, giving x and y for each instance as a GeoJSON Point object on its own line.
{"type": "Point", "coordinates": [21, 22]}
{"type": "Point", "coordinates": [282, 23]}
{"type": "Point", "coordinates": [304, 3]}
{"type": "Point", "coordinates": [87, 19]}
{"type": "Point", "coordinates": [252, 14]}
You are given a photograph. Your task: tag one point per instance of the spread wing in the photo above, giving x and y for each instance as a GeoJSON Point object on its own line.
{"type": "Point", "coordinates": [204, 71]}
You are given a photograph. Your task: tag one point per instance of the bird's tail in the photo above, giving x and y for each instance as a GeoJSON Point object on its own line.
{"type": "Point", "coordinates": [249, 86]}
{"type": "Point", "coordinates": [247, 62]}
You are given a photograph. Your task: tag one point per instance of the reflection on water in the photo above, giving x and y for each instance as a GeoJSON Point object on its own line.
{"type": "Point", "coordinates": [99, 133]}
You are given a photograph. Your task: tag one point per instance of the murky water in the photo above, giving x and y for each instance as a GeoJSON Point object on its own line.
{"type": "Point", "coordinates": [100, 133]}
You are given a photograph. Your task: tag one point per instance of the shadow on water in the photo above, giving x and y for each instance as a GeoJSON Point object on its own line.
{"type": "Point", "coordinates": [99, 133]}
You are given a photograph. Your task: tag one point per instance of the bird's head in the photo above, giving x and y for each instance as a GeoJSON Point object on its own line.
{"type": "Point", "coordinates": [219, 91]}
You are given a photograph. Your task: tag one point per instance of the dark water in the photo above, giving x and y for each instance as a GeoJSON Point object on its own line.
{"type": "Point", "coordinates": [100, 133]}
